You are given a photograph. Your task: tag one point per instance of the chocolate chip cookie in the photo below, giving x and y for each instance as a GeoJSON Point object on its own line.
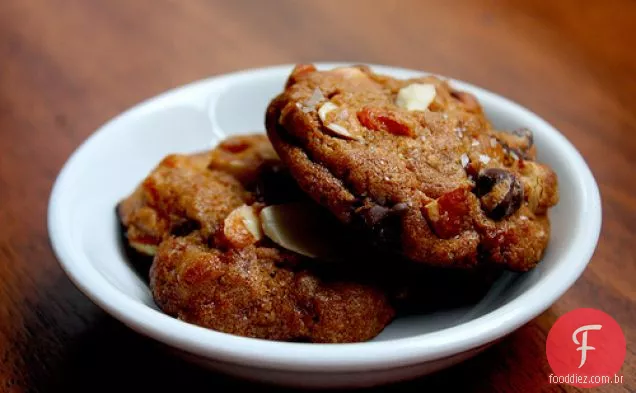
{"type": "Point", "coordinates": [416, 165]}
{"type": "Point", "coordinates": [199, 217]}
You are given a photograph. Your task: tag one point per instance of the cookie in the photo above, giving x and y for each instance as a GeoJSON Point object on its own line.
{"type": "Point", "coordinates": [416, 165]}
{"type": "Point", "coordinates": [199, 216]}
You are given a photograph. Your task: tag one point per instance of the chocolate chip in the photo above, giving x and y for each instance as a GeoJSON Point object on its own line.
{"type": "Point", "coordinates": [516, 153]}
{"type": "Point", "coordinates": [381, 222]}
{"type": "Point", "coordinates": [526, 140]}
{"type": "Point", "coordinates": [526, 134]}
{"type": "Point", "coordinates": [185, 228]}
{"type": "Point", "coordinates": [499, 191]}
{"type": "Point", "coordinates": [275, 185]}
{"type": "Point", "coordinates": [376, 214]}
{"type": "Point", "coordinates": [487, 179]}
{"type": "Point", "coordinates": [400, 207]}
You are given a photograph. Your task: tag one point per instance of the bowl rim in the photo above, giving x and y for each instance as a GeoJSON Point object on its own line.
{"type": "Point", "coordinates": [350, 357]}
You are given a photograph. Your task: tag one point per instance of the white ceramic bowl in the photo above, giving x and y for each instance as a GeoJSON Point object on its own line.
{"type": "Point", "coordinates": [105, 168]}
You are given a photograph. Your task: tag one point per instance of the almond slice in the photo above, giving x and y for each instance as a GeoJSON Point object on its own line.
{"type": "Point", "coordinates": [302, 227]}
{"type": "Point", "coordinates": [144, 248]}
{"type": "Point", "coordinates": [242, 227]}
{"type": "Point", "coordinates": [464, 160]}
{"type": "Point", "coordinates": [316, 98]}
{"type": "Point", "coordinates": [335, 128]}
{"type": "Point", "coordinates": [416, 96]}
{"type": "Point", "coordinates": [325, 109]}
{"type": "Point", "coordinates": [341, 131]}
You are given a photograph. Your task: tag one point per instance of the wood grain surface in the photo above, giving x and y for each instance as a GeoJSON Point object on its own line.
{"type": "Point", "coordinates": [67, 66]}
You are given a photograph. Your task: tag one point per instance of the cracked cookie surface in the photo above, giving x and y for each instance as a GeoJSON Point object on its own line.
{"type": "Point", "coordinates": [416, 165]}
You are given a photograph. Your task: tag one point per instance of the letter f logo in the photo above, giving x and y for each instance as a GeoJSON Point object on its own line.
{"type": "Point", "coordinates": [584, 347]}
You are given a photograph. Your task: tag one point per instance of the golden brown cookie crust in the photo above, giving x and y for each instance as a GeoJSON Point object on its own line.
{"type": "Point", "coordinates": [213, 270]}
{"type": "Point", "coordinates": [440, 186]}
{"type": "Point", "coordinates": [256, 291]}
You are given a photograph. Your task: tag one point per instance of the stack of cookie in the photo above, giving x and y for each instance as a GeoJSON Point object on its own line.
{"type": "Point", "coordinates": [369, 197]}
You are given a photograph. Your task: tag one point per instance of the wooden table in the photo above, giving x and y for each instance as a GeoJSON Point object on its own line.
{"type": "Point", "coordinates": [68, 66]}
